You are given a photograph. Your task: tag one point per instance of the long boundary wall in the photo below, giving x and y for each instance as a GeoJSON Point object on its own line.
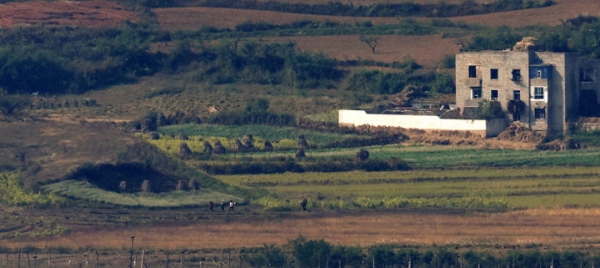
{"type": "Point", "coordinates": [485, 128]}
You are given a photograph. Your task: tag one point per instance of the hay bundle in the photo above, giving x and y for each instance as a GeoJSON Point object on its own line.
{"type": "Point", "coordinates": [526, 44]}
{"type": "Point", "coordinates": [184, 150]}
{"type": "Point", "coordinates": [219, 148]}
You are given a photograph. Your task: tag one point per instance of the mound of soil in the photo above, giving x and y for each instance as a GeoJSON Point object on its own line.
{"type": "Point", "coordinates": [518, 133]}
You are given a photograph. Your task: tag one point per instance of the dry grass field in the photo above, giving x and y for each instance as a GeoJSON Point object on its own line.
{"type": "Point", "coordinates": [554, 229]}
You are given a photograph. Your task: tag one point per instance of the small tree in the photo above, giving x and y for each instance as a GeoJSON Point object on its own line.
{"type": "Point", "coordinates": [489, 110]}
{"type": "Point", "coordinates": [371, 41]}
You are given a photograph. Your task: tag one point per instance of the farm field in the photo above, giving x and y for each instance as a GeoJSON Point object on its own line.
{"type": "Point", "coordinates": [84, 174]}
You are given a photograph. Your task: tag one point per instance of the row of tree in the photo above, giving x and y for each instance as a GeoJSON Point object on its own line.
{"type": "Point", "coordinates": [301, 252]}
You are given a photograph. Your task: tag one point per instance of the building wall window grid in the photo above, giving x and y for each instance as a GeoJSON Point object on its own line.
{"type": "Point", "coordinates": [516, 74]}
{"type": "Point", "coordinates": [494, 74]}
{"type": "Point", "coordinates": [539, 93]}
{"type": "Point", "coordinates": [476, 93]}
{"type": "Point", "coordinates": [539, 113]}
{"type": "Point", "coordinates": [539, 72]}
{"type": "Point", "coordinates": [516, 94]}
{"type": "Point", "coordinates": [494, 94]}
{"type": "Point", "coordinates": [472, 71]}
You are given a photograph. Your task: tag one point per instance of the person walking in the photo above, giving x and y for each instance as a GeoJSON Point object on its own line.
{"type": "Point", "coordinates": [231, 205]}
{"type": "Point", "coordinates": [223, 205]}
{"type": "Point", "coordinates": [211, 205]}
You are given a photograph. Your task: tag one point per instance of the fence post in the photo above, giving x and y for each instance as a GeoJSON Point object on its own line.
{"type": "Point", "coordinates": [167, 259]}
{"type": "Point", "coordinates": [131, 253]}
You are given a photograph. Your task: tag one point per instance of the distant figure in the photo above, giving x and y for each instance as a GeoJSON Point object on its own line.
{"type": "Point", "coordinates": [231, 205]}
{"type": "Point", "coordinates": [211, 205]}
{"type": "Point", "coordinates": [223, 205]}
{"type": "Point", "coordinates": [303, 204]}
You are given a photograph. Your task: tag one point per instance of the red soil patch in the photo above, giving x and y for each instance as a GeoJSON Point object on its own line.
{"type": "Point", "coordinates": [425, 50]}
{"type": "Point", "coordinates": [196, 17]}
{"type": "Point", "coordinates": [182, 18]}
{"type": "Point", "coordinates": [74, 13]}
{"type": "Point", "coordinates": [561, 10]}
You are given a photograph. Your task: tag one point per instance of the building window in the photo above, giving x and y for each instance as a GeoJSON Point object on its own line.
{"type": "Point", "coordinates": [516, 75]}
{"type": "Point", "coordinates": [538, 93]}
{"type": "Point", "coordinates": [588, 75]}
{"type": "Point", "coordinates": [516, 94]}
{"type": "Point", "coordinates": [472, 71]}
{"type": "Point", "coordinates": [476, 93]}
{"type": "Point", "coordinates": [494, 94]}
{"type": "Point", "coordinates": [540, 113]}
{"type": "Point", "coordinates": [494, 74]}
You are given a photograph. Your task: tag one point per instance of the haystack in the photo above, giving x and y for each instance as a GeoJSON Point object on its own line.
{"type": "Point", "coordinates": [526, 44]}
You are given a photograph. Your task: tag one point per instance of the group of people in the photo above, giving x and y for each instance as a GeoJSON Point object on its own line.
{"type": "Point", "coordinates": [211, 205]}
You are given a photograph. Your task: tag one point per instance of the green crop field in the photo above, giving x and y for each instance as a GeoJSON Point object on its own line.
{"type": "Point", "coordinates": [517, 187]}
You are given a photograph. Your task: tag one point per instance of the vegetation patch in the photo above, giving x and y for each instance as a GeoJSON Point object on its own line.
{"type": "Point", "coordinates": [81, 190]}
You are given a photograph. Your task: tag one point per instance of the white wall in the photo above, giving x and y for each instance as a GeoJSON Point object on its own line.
{"type": "Point", "coordinates": [424, 122]}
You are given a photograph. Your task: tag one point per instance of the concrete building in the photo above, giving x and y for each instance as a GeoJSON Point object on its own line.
{"type": "Point", "coordinates": [543, 90]}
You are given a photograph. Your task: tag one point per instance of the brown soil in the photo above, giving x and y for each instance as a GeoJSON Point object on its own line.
{"type": "Point", "coordinates": [553, 228]}
{"type": "Point", "coordinates": [74, 13]}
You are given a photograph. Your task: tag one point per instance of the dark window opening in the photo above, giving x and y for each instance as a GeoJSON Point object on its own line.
{"type": "Point", "coordinates": [472, 71]}
{"type": "Point", "coordinates": [494, 94]}
{"type": "Point", "coordinates": [494, 74]}
{"type": "Point", "coordinates": [476, 93]}
{"type": "Point", "coordinates": [516, 75]}
{"type": "Point", "coordinates": [540, 113]}
{"type": "Point", "coordinates": [516, 94]}
{"type": "Point", "coordinates": [538, 93]}
{"type": "Point", "coordinates": [588, 75]}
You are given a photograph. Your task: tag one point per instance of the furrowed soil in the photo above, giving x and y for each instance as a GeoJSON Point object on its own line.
{"type": "Point", "coordinates": [247, 227]}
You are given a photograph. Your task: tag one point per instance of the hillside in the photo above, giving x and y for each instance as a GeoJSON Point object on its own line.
{"type": "Point", "coordinates": [429, 51]}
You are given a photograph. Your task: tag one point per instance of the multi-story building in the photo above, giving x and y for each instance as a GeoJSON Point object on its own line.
{"type": "Point", "coordinates": [543, 90]}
